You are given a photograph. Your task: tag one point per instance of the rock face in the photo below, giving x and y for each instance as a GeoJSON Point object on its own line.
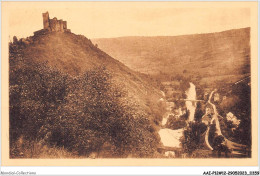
{"type": "Point", "coordinates": [54, 24]}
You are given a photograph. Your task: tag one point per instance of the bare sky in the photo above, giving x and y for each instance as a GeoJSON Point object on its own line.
{"type": "Point", "coordinates": [114, 19]}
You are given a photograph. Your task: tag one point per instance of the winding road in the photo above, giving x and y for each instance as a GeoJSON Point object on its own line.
{"type": "Point", "coordinates": [236, 149]}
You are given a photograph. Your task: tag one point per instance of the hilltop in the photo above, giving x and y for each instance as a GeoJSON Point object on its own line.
{"type": "Point", "coordinates": [220, 56]}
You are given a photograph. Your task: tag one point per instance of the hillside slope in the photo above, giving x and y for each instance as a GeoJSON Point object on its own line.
{"type": "Point", "coordinates": [220, 55]}
{"type": "Point", "coordinates": [75, 54]}
{"type": "Point", "coordinates": [66, 93]}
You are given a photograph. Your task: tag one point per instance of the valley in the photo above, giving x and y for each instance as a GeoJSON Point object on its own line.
{"type": "Point", "coordinates": [129, 97]}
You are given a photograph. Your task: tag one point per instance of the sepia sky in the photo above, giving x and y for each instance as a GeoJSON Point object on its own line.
{"type": "Point", "coordinates": [114, 19]}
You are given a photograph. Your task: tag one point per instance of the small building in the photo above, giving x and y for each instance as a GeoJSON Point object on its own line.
{"type": "Point", "coordinates": [232, 118]}
{"type": "Point", "coordinates": [206, 96]}
{"type": "Point", "coordinates": [208, 111]}
{"type": "Point", "coordinates": [206, 120]}
{"type": "Point", "coordinates": [216, 97]}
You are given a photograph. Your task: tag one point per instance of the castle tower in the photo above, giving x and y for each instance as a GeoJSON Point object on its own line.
{"type": "Point", "coordinates": [46, 24]}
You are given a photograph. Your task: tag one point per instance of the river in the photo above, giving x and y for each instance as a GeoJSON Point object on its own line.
{"type": "Point", "coordinates": [191, 105]}
{"type": "Point", "coordinates": [169, 137]}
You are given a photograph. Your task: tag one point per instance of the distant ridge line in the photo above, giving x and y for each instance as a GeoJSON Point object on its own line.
{"type": "Point", "coordinates": [181, 35]}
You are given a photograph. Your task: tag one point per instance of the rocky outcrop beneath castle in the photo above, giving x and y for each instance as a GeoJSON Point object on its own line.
{"type": "Point", "coordinates": [41, 32]}
{"type": "Point", "coordinates": [16, 46]}
{"type": "Point", "coordinates": [22, 41]}
{"type": "Point", "coordinates": [46, 31]}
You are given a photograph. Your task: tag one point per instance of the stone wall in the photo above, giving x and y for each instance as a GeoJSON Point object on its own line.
{"type": "Point", "coordinates": [65, 24]}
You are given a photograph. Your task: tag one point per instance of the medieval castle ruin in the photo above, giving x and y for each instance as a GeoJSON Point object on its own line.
{"type": "Point", "coordinates": [49, 25]}
{"type": "Point", "coordinates": [52, 25]}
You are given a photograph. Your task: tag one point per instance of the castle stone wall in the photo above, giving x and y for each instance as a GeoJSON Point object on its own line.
{"type": "Point", "coordinates": [64, 24]}
{"type": "Point", "coordinates": [61, 25]}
